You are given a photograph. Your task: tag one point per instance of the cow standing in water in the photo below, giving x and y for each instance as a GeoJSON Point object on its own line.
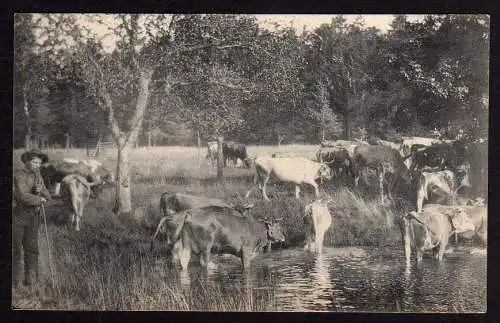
{"type": "Point", "coordinates": [317, 220]}
{"type": "Point", "coordinates": [431, 229]}
{"type": "Point", "coordinates": [219, 230]}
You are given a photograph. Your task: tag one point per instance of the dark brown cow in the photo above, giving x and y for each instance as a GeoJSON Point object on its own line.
{"type": "Point", "coordinates": [336, 158]}
{"type": "Point", "coordinates": [440, 156]}
{"type": "Point", "coordinates": [219, 230]}
{"type": "Point", "coordinates": [234, 151]}
{"type": "Point", "coordinates": [387, 163]}
{"type": "Point", "coordinates": [477, 157]}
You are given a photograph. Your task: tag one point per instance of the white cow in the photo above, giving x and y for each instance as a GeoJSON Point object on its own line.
{"type": "Point", "coordinates": [391, 144]}
{"type": "Point", "coordinates": [444, 183]}
{"type": "Point", "coordinates": [297, 170]}
{"type": "Point", "coordinates": [317, 220]}
{"type": "Point", "coordinates": [75, 192]}
{"type": "Point", "coordinates": [212, 151]}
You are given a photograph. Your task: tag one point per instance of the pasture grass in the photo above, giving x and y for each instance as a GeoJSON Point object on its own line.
{"type": "Point", "coordinates": [108, 264]}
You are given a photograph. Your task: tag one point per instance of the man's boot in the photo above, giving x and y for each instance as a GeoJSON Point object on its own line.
{"type": "Point", "coordinates": [31, 269]}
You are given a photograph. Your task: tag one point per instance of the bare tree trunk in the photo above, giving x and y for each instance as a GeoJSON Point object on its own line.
{"type": "Point", "coordinates": [67, 135]}
{"type": "Point", "coordinates": [323, 133]}
{"type": "Point", "coordinates": [27, 136]}
{"type": "Point", "coordinates": [124, 142]}
{"type": "Point", "coordinates": [123, 202]}
{"type": "Point", "coordinates": [220, 160]}
{"type": "Point", "coordinates": [149, 138]}
{"type": "Point", "coordinates": [198, 138]}
{"type": "Point", "coordinates": [346, 121]}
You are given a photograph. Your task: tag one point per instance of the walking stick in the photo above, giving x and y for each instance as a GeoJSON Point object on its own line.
{"type": "Point", "coordinates": [42, 209]}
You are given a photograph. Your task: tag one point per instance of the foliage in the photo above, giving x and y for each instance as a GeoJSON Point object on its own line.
{"type": "Point", "coordinates": [226, 74]}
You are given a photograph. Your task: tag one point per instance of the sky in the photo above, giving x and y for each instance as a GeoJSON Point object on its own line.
{"type": "Point", "coordinates": [299, 22]}
{"type": "Point", "coordinates": [310, 22]}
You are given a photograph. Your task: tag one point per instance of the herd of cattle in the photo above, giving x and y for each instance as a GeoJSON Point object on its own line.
{"type": "Point", "coordinates": [425, 169]}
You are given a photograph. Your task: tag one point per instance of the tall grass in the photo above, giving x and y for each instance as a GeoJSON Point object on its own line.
{"type": "Point", "coordinates": [108, 266]}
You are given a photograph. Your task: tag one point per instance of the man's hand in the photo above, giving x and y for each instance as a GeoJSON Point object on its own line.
{"type": "Point", "coordinates": [43, 199]}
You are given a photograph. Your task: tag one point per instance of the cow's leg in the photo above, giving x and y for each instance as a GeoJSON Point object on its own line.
{"type": "Point", "coordinates": [440, 252]}
{"type": "Point", "coordinates": [381, 185]}
{"type": "Point", "coordinates": [316, 190]}
{"type": "Point", "coordinates": [205, 256]}
{"type": "Point", "coordinates": [57, 189]}
{"type": "Point", "coordinates": [406, 241]}
{"type": "Point", "coordinates": [420, 254]}
{"type": "Point", "coordinates": [184, 256]}
{"type": "Point", "coordinates": [420, 199]}
{"type": "Point", "coordinates": [246, 257]}
{"type": "Point", "coordinates": [297, 191]}
{"type": "Point", "coordinates": [176, 253]}
{"type": "Point", "coordinates": [264, 187]}
{"type": "Point", "coordinates": [319, 243]}
{"type": "Point", "coordinates": [79, 214]}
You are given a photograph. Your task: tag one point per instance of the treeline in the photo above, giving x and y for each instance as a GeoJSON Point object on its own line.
{"type": "Point", "coordinates": [178, 79]}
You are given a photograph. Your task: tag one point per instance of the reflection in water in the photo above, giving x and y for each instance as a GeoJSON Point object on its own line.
{"type": "Point", "coordinates": [355, 279]}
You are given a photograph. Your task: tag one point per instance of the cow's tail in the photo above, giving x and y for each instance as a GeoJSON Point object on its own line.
{"type": "Point", "coordinates": [163, 203]}
{"type": "Point", "coordinates": [255, 178]}
{"type": "Point", "coordinates": [413, 215]}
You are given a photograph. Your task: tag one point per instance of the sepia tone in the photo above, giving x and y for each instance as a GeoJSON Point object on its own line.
{"type": "Point", "coordinates": [250, 162]}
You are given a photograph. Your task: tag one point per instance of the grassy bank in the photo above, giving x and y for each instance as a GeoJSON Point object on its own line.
{"type": "Point", "coordinates": [108, 266]}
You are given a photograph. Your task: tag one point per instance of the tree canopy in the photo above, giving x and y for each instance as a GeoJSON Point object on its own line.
{"type": "Point", "coordinates": [207, 75]}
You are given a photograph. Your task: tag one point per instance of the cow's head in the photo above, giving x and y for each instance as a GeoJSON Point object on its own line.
{"type": "Point", "coordinates": [460, 221]}
{"type": "Point", "coordinates": [248, 162]}
{"type": "Point", "coordinates": [242, 207]}
{"type": "Point", "coordinates": [104, 175]}
{"type": "Point", "coordinates": [462, 173]}
{"type": "Point", "coordinates": [274, 230]}
{"type": "Point", "coordinates": [324, 172]}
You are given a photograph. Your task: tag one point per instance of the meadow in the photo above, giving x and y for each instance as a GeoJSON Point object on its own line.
{"type": "Point", "coordinates": [108, 265]}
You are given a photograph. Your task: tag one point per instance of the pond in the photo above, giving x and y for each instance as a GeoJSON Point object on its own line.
{"type": "Point", "coordinates": [357, 280]}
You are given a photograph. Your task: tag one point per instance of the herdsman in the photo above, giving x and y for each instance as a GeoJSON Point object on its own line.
{"type": "Point", "coordinates": [30, 194]}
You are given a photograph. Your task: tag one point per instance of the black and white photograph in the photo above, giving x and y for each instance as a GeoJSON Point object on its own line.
{"type": "Point", "coordinates": [250, 162]}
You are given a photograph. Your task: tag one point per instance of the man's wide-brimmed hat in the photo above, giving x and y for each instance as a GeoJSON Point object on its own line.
{"type": "Point", "coordinates": [29, 155]}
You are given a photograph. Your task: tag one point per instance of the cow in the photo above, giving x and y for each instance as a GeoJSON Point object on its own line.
{"type": "Point", "coordinates": [444, 183]}
{"type": "Point", "coordinates": [75, 193]}
{"type": "Point", "coordinates": [408, 160]}
{"type": "Point", "coordinates": [234, 150]}
{"type": "Point", "coordinates": [336, 158]}
{"type": "Point", "coordinates": [92, 170]}
{"type": "Point", "coordinates": [297, 170]}
{"type": "Point", "coordinates": [477, 156]}
{"type": "Point", "coordinates": [317, 220]}
{"type": "Point", "coordinates": [171, 203]}
{"type": "Point", "coordinates": [440, 156]}
{"type": "Point", "coordinates": [477, 214]}
{"type": "Point", "coordinates": [385, 161]}
{"type": "Point", "coordinates": [219, 230]}
{"type": "Point", "coordinates": [348, 145]}
{"type": "Point", "coordinates": [387, 143]}
{"type": "Point", "coordinates": [408, 142]}
{"type": "Point", "coordinates": [212, 152]}
{"type": "Point", "coordinates": [432, 228]}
